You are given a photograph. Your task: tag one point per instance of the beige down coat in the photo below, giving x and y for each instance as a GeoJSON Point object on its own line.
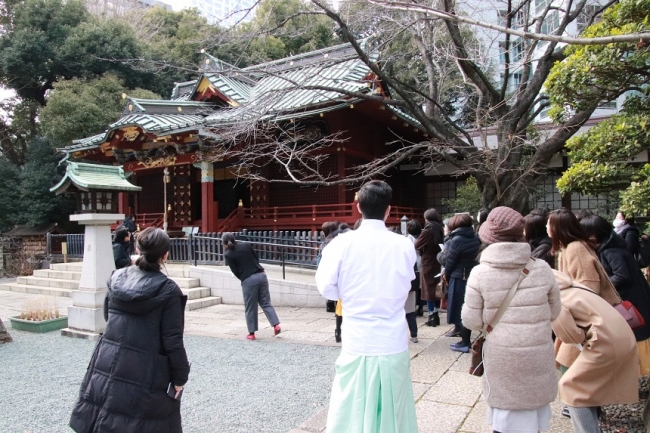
{"type": "Point", "coordinates": [582, 265]}
{"type": "Point", "coordinates": [606, 371]}
{"type": "Point", "coordinates": [518, 354]}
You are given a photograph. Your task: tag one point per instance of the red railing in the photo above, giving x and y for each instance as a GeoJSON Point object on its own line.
{"type": "Point", "coordinates": [145, 220]}
{"type": "Point", "coordinates": [231, 223]}
{"type": "Point", "coordinates": [290, 217]}
{"type": "Point", "coordinates": [303, 217]}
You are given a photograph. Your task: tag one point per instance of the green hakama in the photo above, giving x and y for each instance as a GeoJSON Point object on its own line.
{"type": "Point", "coordinates": [372, 394]}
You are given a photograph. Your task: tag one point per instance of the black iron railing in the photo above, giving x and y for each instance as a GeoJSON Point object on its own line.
{"type": "Point", "coordinates": [294, 248]}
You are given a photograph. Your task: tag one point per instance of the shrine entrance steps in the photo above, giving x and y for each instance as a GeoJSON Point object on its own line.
{"type": "Point", "coordinates": [62, 278]}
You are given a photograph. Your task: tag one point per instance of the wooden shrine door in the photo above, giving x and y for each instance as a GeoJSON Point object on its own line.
{"type": "Point", "coordinates": [181, 212]}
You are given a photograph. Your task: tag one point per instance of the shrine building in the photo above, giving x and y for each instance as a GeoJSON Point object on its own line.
{"type": "Point", "coordinates": [184, 154]}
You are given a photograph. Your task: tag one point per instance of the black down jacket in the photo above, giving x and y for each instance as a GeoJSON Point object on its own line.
{"type": "Point", "coordinates": [541, 249]}
{"type": "Point", "coordinates": [460, 254]}
{"type": "Point", "coordinates": [140, 353]}
{"type": "Point", "coordinates": [628, 279]}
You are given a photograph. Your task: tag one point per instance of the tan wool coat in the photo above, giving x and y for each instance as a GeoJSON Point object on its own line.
{"type": "Point", "coordinates": [581, 264]}
{"type": "Point", "coordinates": [518, 354]}
{"type": "Point", "coordinates": [606, 370]}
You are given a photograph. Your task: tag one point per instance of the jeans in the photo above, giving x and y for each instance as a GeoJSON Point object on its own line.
{"type": "Point", "coordinates": [433, 306]}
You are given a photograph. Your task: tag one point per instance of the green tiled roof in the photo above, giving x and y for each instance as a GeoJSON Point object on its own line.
{"type": "Point", "coordinates": [285, 91]}
{"type": "Point", "coordinates": [271, 90]}
{"type": "Point", "coordinates": [158, 122]}
{"type": "Point", "coordinates": [412, 120]}
{"type": "Point", "coordinates": [158, 106]}
{"type": "Point", "coordinates": [232, 88]}
{"type": "Point", "coordinates": [183, 89]}
{"type": "Point", "coordinates": [93, 176]}
{"type": "Point", "coordinates": [161, 123]}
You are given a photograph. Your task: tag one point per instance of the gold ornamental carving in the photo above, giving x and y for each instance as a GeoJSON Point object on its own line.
{"type": "Point", "coordinates": [158, 162]}
{"type": "Point", "coordinates": [131, 133]}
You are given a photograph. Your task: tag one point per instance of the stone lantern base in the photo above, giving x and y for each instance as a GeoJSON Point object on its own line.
{"type": "Point", "coordinates": [86, 315]}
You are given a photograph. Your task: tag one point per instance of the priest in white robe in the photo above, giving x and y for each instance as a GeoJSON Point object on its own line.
{"type": "Point", "coordinates": [370, 269]}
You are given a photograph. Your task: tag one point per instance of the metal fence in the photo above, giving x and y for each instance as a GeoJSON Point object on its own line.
{"type": "Point", "coordinates": [296, 248]}
{"type": "Point", "coordinates": [74, 245]}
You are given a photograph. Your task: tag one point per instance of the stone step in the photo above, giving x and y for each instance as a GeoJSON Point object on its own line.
{"type": "Point", "coordinates": [172, 272]}
{"type": "Point", "coordinates": [59, 275]}
{"type": "Point", "coordinates": [197, 292]}
{"type": "Point", "coordinates": [48, 282]}
{"type": "Point", "coordinates": [186, 283]}
{"type": "Point", "coordinates": [55, 281]}
{"type": "Point", "coordinates": [36, 290]}
{"type": "Point", "coordinates": [73, 267]}
{"type": "Point", "coordinates": [195, 304]}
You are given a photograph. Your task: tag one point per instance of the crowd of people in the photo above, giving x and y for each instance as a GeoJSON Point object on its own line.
{"type": "Point", "coordinates": [548, 291]}
{"type": "Point", "coordinates": [570, 274]}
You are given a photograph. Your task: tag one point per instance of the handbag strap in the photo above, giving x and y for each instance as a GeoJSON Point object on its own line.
{"type": "Point", "coordinates": [511, 294]}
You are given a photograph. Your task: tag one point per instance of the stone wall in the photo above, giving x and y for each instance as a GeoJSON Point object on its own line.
{"type": "Point", "coordinates": [22, 254]}
{"type": "Point", "coordinates": [284, 293]}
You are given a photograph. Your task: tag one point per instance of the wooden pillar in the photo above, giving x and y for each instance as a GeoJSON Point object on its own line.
{"type": "Point", "coordinates": [209, 212]}
{"type": "Point", "coordinates": [123, 203]}
{"type": "Point", "coordinates": [340, 160]}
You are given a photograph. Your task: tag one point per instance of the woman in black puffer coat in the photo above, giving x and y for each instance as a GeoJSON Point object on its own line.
{"type": "Point", "coordinates": [141, 352]}
{"type": "Point", "coordinates": [458, 259]}
{"type": "Point", "coordinates": [626, 276]}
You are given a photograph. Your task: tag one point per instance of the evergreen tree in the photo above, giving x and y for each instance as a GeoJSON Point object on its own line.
{"type": "Point", "coordinates": [41, 172]}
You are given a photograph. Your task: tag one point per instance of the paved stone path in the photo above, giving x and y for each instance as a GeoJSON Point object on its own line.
{"type": "Point", "coordinates": [448, 398]}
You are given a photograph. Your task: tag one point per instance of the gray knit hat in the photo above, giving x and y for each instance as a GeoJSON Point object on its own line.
{"type": "Point", "coordinates": [503, 224]}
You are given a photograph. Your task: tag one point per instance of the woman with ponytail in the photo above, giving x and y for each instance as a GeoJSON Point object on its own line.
{"type": "Point", "coordinates": [139, 366]}
{"type": "Point", "coordinates": [245, 265]}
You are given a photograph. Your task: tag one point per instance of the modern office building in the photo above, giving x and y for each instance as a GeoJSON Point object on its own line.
{"type": "Point", "coordinates": [225, 13]}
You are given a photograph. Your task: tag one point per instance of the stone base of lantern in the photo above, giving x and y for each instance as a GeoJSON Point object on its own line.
{"type": "Point", "coordinates": [86, 315]}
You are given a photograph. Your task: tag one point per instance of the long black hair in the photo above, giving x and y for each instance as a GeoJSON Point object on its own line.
{"type": "Point", "coordinates": [153, 243]}
{"type": "Point", "coordinates": [228, 240]}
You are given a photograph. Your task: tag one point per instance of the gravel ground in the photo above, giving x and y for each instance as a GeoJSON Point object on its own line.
{"type": "Point", "coordinates": [235, 386]}
{"type": "Point", "coordinates": [627, 418]}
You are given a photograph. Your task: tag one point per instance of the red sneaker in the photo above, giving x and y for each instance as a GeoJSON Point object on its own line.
{"type": "Point", "coordinates": [250, 337]}
{"type": "Point", "coordinates": [277, 329]}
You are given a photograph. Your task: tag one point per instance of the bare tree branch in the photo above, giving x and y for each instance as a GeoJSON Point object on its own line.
{"type": "Point", "coordinates": [449, 15]}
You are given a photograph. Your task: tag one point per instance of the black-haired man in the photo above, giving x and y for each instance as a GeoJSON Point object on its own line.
{"type": "Point", "coordinates": [370, 269]}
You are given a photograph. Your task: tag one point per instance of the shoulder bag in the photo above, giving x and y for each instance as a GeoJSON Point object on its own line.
{"type": "Point", "coordinates": [476, 367]}
{"type": "Point", "coordinates": [625, 308]}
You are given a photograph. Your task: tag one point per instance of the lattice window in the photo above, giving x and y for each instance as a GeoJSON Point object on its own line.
{"type": "Point", "coordinates": [547, 195]}
{"type": "Point", "coordinates": [540, 5]}
{"type": "Point", "coordinates": [440, 191]}
{"type": "Point", "coordinates": [551, 23]}
{"type": "Point", "coordinates": [585, 15]}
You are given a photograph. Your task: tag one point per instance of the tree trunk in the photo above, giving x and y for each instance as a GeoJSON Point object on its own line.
{"type": "Point", "coordinates": [516, 196]}
{"type": "Point", "coordinates": [4, 335]}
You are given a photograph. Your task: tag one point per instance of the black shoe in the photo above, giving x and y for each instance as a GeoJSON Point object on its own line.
{"type": "Point", "coordinates": [337, 336]}
{"type": "Point", "coordinates": [454, 332]}
{"type": "Point", "coordinates": [419, 312]}
{"type": "Point", "coordinates": [436, 319]}
{"type": "Point", "coordinates": [431, 321]}
{"type": "Point", "coordinates": [565, 412]}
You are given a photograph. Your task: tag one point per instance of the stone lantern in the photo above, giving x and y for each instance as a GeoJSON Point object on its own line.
{"type": "Point", "coordinates": [96, 188]}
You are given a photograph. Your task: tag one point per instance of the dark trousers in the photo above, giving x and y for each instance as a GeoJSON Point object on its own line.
{"type": "Point", "coordinates": [413, 326]}
{"type": "Point", "coordinates": [256, 291]}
